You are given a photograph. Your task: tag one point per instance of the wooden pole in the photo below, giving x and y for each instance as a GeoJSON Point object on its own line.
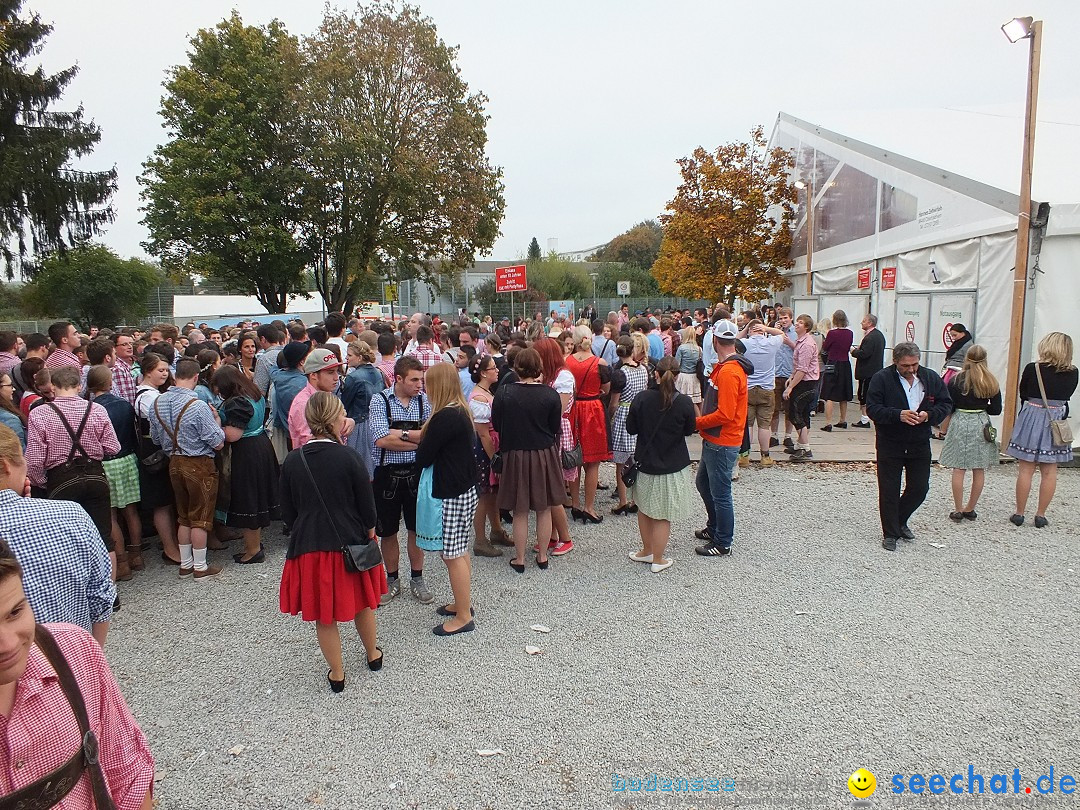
{"type": "Point", "coordinates": [1023, 226]}
{"type": "Point", "coordinates": [810, 236]}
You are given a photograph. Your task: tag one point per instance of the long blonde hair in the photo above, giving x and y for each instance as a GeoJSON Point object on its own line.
{"type": "Point", "coordinates": [1056, 349]}
{"type": "Point", "coordinates": [689, 337]}
{"type": "Point", "coordinates": [975, 378]}
{"type": "Point", "coordinates": [443, 386]}
{"type": "Point", "coordinates": [323, 414]}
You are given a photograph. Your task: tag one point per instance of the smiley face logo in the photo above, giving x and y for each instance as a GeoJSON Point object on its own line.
{"type": "Point", "coordinates": [862, 784]}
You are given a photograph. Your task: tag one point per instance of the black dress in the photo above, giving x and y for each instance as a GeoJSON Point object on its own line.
{"type": "Point", "coordinates": [155, 489]}
{"type": "Point", "coordinates": [253, 482]}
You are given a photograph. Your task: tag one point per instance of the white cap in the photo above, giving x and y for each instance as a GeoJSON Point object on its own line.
{"type": "Point", "coordinates": [725, 330]}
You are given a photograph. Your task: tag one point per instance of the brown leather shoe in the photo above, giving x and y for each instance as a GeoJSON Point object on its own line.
{"type": "Point", "coordinates": [211, 570]}
{"type": "Point", "coordinates": [501, 538]}
{"type": "Point", "coordinates": [483, 548]}
{"type": "Point", "coordinates": [123, 570]}
{"type": "Point", "coordinates": [135, 560]}
{"type": "Point", "coordinates": [186, 572]}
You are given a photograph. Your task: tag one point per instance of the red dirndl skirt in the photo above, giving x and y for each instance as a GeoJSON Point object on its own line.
{"type": "Point", "coordinates": [317, 585]}
{"type": "Point", "coordinates": [590, 430]}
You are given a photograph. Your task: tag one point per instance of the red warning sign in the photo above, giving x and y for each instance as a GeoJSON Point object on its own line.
{"type": "Point", "coordinates": [888, 278]}
{"type": "Point", "coordinates": [864, 278]}
{"type": "Point", "coordinates": [909, 332]}
{"type": "Point", "coordinates": [946, 336]}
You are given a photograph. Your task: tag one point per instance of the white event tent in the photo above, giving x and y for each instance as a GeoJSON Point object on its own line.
{"type": "Point", "coordinates": [924, 247]}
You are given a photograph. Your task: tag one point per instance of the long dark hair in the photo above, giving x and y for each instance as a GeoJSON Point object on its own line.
{"type": "Point", "coordinates": [150, 361]}
{"type": "Point", "coordinates": [667, 368]}
{"type": "Point", "coordinates": [206, 359]}
{"type": "Point", "coordinates": [229, 381]}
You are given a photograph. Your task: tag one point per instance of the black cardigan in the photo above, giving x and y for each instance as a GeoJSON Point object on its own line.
{"type": "Point", "coordinates": [342, 479]}
{"type": "Point", "coordinates": [869, 355]}
{"type": "Point", "coordinates": [1059, 385]}
{"type": "Point", "coordinates": [667, 452]}
{"type": "Point", "coordinates": [526, 416]}
{"type": "Point", "coordinates": [885, 398]}
{"type": "Point", "coordinates": [448, 443]}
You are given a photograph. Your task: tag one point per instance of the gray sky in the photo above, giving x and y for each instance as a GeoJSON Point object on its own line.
{"type": "Point", "coordinates": [592, 101]}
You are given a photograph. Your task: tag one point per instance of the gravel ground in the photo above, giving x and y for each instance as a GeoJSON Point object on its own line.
{"type": "Point", "coordinates": [808, 653]}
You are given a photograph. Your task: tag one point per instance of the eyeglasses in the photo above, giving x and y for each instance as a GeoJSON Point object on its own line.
{"type": "Point", "coordinates": [7, 385]}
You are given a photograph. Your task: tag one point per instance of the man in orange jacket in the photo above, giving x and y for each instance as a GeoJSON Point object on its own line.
{"type": "Point", "coordinates": [721, 425]}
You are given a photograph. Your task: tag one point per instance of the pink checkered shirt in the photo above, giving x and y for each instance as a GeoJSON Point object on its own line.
{"type": "Point", "coordinates": [428, 356]}
{"type": "Point", "coordinates": [58, 358]}
{"type": "Point", "coordinates": [123, 381]}
{"type": "Point", "coordinates": [387, 369]}
{"type": "Point", "coordinates": [41, 733]}
{"type": "Point", "coordinates": [48, 444]}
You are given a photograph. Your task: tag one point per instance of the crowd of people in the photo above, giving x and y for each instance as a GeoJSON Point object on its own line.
{"type": "Point", "coordinates": [347, 429]}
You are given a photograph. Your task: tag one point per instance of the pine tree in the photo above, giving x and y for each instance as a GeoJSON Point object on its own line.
{"type": "Point", "coordinates": [45, 206]}
{"type": "Point", "coordinates": [534, 254]}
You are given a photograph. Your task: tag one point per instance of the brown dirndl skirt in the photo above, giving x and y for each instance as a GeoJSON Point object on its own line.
{"type": "Point", "coordinates": [531, 480]}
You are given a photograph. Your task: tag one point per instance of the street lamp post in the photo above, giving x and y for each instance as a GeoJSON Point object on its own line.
{"type": "Point", "coordinates": [808, 185]}
{"type": "Point", "coordinates": [594, 276]}
{"type": "Point", "coordinates": [1016, 30]}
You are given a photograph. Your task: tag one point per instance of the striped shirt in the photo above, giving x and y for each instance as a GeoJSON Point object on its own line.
{"type": "Point", "coordinates": [59, 358]}
{"type": "Point", "coordinates": [48, 443]}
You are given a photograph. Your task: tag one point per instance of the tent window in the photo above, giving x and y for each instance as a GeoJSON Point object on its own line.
{"type": "Point", "coordinates": [897, 207]}
{"type": "Point", "coordinates": [846, 211]}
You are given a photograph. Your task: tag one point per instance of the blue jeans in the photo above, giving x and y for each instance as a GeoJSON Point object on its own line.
{"type": "Point", "coordinates": [714, 486]}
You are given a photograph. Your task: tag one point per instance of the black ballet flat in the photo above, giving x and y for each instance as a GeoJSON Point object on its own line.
{"type": "Point", "coordinates": [542, 565]}
{"type": "Point", "coordinates": [259, 557]}
{"type": "Point", "coordinates": [633, 509]}
{"type": "Point", "coordinates": [376, 665]}
{"type": "Point", "coordinates": [335, 686]}
{"type": "Point", "coordinates": [520, 568]}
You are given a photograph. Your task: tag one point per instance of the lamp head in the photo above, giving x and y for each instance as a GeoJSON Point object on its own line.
{"type": "Point", "coordinates": [1018, 28]}
{"type": "Point", "coordinates": [799, 184]}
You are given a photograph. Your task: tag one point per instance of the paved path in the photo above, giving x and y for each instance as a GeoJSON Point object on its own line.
{"type": "Point", "coordinates": [807, 653]}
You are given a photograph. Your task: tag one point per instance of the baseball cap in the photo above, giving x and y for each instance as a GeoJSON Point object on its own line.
{"type": "Point", "coordinates": [725, 330]}
{"type": "Point", "coordinates": [319, 360]}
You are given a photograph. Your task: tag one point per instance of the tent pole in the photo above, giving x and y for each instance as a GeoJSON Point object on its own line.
{"type": "Point", "coordinates": [1023, 225]}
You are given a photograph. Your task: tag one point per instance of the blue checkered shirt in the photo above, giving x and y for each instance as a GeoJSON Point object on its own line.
{"type": "Point", "coordinates": [199, 432]}
{"type": "Point", "coordinates": [66, 569]}
{"type": "Point", "coordinates": [380, 427]}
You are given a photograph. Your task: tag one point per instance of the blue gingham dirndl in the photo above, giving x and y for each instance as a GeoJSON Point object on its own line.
{"type": "Point", "coordinates": [1030, 439]}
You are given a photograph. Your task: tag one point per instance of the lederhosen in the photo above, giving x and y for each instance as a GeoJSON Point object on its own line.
{"type": "Point", "coordinates": [81, 479]}
{"type": "Point", "coordinates": [50, 790]}
{"type": "Point", "coordinates": [397, 483]}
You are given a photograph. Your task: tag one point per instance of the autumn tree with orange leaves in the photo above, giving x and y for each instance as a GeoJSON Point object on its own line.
{"type": "Point", "coordinates": [727, 233]}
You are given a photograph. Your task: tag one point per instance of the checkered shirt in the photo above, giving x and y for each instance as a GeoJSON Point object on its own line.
{"type": "Point", "coordinates": [387, 369]}
{"type": "Point", "coordinates": [59, 358]}
{"type": "Point", "coordinates": [428, 356]}
{"type": "Point", "coordinates": [66, 570]}
{"type": "Point", "coordinates": [380, 427]}
{"type": "Point", "coordinates": [48, 444]}
{"type": "Point", "coordinates": [41, 733]}
{"type": "Point", "coordinates": [123, 380]}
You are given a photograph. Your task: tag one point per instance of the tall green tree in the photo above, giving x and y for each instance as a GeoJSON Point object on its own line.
{"type": "Point", "coordinates": [727, 233]}
{"type": "Point", "coordinates": [223, 197]}
{"type": "Point", "coordinates": [534, 253]}
{"type": "Point", "coordinates": [637, 247]}
{"type": "Point", "coordinates": [397, 158]}
{"type": "Point", "coordinates": [92, 285]}
{"type": "Point", "coordinates": [45, 205]}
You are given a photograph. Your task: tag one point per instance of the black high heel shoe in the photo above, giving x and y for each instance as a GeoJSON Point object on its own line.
{"type": "Point", "coordinates": [335, 686]}
{"type": "Point", "coordinates": [542, 565]}
{"type": "Point", "coordinates": [575, 514]}
{"type": "Point", "coordinates": [587, 517]}
{"type": "Point", "coordinates": [376, 665]}
{"type": "Point", "coordinates": [621, 510]}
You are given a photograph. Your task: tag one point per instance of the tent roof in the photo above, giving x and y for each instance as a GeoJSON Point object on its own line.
{"type": "Point", "coordinates": [979, 145]}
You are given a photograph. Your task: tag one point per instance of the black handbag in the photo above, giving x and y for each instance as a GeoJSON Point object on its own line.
{"type": "Point", "coordinates": [358, 556]}
{"type": "Point", "coordinates": [571, 459]}
{"type": "Point", "coordinates": [631, 467]}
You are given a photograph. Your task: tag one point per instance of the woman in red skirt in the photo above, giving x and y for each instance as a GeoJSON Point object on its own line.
{"type": "Point", "coordinates": [315, 582]}
{"type": "Point", "coordinates": [592, 378]}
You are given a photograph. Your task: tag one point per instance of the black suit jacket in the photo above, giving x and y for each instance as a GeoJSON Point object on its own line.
{"type": "Point", "coordinates": [869, 355]}
{"type": "Point", "coordinates": [886, 398]}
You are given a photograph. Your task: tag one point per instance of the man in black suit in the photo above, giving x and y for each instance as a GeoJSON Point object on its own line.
{"type": "Point", "coordinates": [904, 400]}
{"type": "Point", "coordinates": [869, 360]}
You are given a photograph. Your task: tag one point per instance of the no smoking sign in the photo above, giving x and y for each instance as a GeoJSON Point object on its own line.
{"type": "Point", "coordinates": [909, 332]}
{"type": "Point", "coordinates": [946, 336]}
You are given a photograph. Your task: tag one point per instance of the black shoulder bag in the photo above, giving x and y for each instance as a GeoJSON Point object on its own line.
{"type": "Point", "coordinates": [631, 466]}
{"type": "Point", "coordinates": [358, 556]}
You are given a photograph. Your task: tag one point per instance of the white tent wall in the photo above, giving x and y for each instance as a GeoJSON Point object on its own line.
{"type": "Point", "coordinates": [1057, 302]}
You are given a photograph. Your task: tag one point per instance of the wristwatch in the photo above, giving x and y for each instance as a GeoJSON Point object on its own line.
{"type": "Point", "coordinates": [404, 435]}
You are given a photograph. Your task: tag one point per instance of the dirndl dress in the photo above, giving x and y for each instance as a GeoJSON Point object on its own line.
{"type": "Point", "coordinates": [664, 497]}
{"type": "Point", "coordinates": [487, 481]}
{"type": "Point", "coordinates": [965, 447]}
{"type": "Point", "coordinates": [564, 384]}
{"type": "Point", "coordinates": [123, 476]}
{"type": "Point", "coordinates": [317, 586]}
{"type": "Point", "coordinates": [622, 443]}
{"type": "Point", "coordinates": [1030, 439]}
{"type": "Point", "coordinates": [587, 414]}
{"type": "Point", "coordinates": [253, 480]}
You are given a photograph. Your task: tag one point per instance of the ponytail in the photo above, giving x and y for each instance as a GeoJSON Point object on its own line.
{"type": "Point", "coordinates": [668, 369]}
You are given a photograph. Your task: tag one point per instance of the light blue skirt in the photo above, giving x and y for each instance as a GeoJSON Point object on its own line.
{"type": "Point", "coordinates": [1030, 439]}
